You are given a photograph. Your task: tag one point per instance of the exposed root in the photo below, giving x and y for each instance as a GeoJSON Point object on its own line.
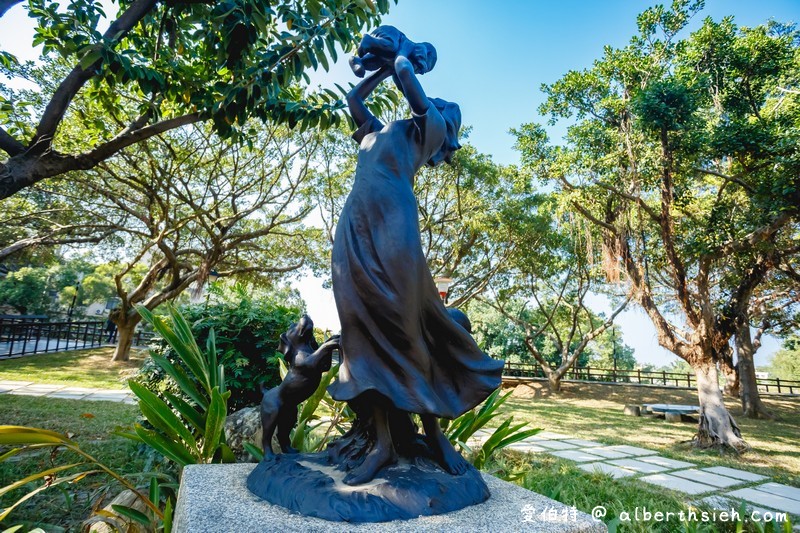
{"type": "Point", "coordinates": [710, 436]}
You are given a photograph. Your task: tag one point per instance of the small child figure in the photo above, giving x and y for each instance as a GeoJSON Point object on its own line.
{"type": "Point", "coordinates": [384, 44]}
{"type": "Point", "coordinates": [306, 362]}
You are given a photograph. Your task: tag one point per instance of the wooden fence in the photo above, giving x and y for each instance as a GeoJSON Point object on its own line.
{"type": "Point", "coordinates": [643, 377]}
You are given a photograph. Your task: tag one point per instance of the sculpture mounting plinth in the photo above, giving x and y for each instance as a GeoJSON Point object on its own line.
{"type": "Point", "coordinates": [309, 485]}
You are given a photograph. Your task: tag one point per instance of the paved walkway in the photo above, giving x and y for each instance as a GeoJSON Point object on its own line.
{"type": "Point", "coordinates": [29, 388]}
{"type": "Point", "coordinates": [718, 487]}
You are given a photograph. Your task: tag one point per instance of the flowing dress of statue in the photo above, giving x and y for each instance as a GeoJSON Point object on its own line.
{"type": "Point", "coordinates": [401, 351]}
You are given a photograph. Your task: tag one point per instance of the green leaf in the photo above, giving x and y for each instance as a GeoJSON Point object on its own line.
{"type": "Point", "coordinates": [31, 494]}
{"type": "Point", "coordinates": [89, 59]}
{"type": "Point", "coordinates": [169, 449]}
{"type": "Point", "coordinates": [132, 513]}
{"type": "Point", "coordinates": [34, 477]}
{"type": "Point", "coordinates": [155, 493]}
{"type": "Point", "coordinates": [161, 416]}
{"type": "Point", "coordinates": [187, 411]}
{"type": "Point", "coordinates": [226, 454]}
{"type": "Point", "coordinates": [182, 341]}
{"type": "Point", "coordinates": [215, 423]}
{"type": "Point", "coordinates": [255, 451]}
{"type": "Point", "coordinates": [211, 353]}
{"type": "Point", "coordinates": [183, 381]}
{"type": "Point", "coordinates": [313, 401]}
{"type": "Point", "coordinates": [168, 510]}
{"type": "Point", "coordinates": [299, 434]}
{"type": "Point", "coordinates": [22, 435]}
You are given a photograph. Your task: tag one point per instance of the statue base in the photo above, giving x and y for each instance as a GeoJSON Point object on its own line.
{"type": "Point", "coordinates": [215, 499]}
{"type": "Point", "coordinates": [309, 485]}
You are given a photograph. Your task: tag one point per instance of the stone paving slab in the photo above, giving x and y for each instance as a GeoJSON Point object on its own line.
{"type": "Point", "coordinates": [27, 392]}
{"type": "Point", "coordinates": [735, 474]}
{"type": "Point", "coordinates": [677, 483]}
{"type": "Point", "coordinates": [765, 499]}
{"type": "Point", "coordinates": [83, 390]}
{"type": "Point", "coordinates": [720, 503]}
{"type": "Point", "coordinates": [603, 468]}
{"type": "Point", "coordinates": [584, 443]}
{"type": "Point", "coordinates": [609, 453]}
{"type": "Point", "coordinates": [632, 450]}
{"type": "Point", "coordinates": [665, 462]}
{"type": "Point", "coordinates": [15, 384]}
{"type": "Point", "coordinates": [793, 493]}
{"type": "Point", "coordinates": [579, 456]}
{"type": "Point", "coordinates": [554, 444]}
{"type": "Point", "coordinates": [638, 466]}
{"type": "Point", "coordinates": [549, 435]}
{"type": "Point", "coordinates": [67, 395]}
{"type": "Point", "coordinates": [708, 478]}
{"type": "Point", "coordinates": [526, 447]}
{"type": "Point", "coordinates": [45, 387]}
{"type": "Point", "coordinates": [105, 398]}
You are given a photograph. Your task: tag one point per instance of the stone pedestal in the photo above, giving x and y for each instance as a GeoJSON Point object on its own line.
{"type": "Point", "coordinates": [215, 499]}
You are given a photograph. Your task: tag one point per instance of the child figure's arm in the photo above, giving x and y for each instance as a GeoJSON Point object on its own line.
{"type": "Point", "coordinates": [410, 86]}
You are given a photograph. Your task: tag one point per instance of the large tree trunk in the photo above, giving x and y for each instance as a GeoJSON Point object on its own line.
{"type": "Point", "coordinates": [126, 322]}
{"type": "Point", "coordinates": [752, 406]}
{"type": "Point", "coordinates": [717, 427]}
{"type": "Point", "coordinates": [730, 372]}
{"type": "Point", "coordinates": [554, 382]}
{"type": "Point", "coordinates": [124, 341]}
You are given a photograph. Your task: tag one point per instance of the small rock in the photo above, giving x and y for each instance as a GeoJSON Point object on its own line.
{"type": "Point", "coordinates": [240, 427]}
{"type": "Point", "coordinates": [632, 410]}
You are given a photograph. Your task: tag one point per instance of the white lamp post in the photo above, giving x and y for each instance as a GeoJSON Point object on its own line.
{"type": "Point", "coordinates": [211, 278]}
{"type": "Point", "coordinates": [442, 285]}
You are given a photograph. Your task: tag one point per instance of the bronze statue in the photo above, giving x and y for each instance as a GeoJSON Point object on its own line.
{"type": "Point", "coordinates": [401, 351]}
{"type": "Point", "coordinates": [306, 361]}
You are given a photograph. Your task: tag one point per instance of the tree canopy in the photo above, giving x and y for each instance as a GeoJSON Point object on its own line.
{"type": "Point", "coordinates": [683, 155]}
{"type": "Point", "coordinates": [159, 65]}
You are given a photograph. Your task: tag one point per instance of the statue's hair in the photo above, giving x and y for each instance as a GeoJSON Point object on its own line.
{"type": "Point", "coordinates": [452, 117]}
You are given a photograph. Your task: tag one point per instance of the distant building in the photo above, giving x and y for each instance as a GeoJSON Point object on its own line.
{"type": "Point", "coordinates": [762, 375]}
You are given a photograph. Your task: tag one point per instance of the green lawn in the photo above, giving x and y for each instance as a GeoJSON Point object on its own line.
{"type": "Point", "coordinates": [90, 424]}
{"type": "Point", "coordinates": [80, 368]}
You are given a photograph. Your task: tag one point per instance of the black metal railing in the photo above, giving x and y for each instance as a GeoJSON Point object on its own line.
{"type": "Point", "coordinates": [641, 377]}
{"type": "Point", "coordinates": [28, 337]}
{"type": "Point", "coordinates": [23, 338]}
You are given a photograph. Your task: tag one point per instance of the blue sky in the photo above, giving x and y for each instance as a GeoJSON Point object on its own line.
{"type": "Point", "coordinates": [493, 58]}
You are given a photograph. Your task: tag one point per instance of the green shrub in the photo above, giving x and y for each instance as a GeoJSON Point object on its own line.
{"type": "Point", "coordinates": [247, 331]}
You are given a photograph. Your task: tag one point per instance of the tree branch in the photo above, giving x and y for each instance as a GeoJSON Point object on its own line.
{"type": "Point", "coordinates": [9, 144]}
{"type": "Point", "coordinates": [128, 137]}
{"type": "Point", "coordinates": [69, 87]}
